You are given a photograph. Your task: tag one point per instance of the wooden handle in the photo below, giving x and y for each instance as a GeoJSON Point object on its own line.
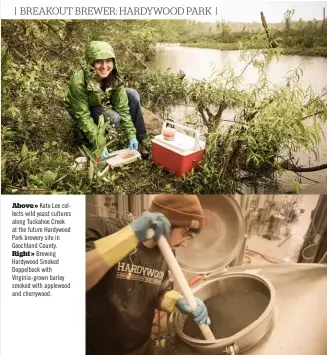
{"type": "Point", "coordinates": [182, 283]}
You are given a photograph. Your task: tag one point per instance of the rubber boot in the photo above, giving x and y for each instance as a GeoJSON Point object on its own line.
{"type": "Point", "coordinates": [143, 151]}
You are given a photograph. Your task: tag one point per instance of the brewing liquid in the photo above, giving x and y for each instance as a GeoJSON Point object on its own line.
{"type": "Point", "coordinates": [229, 313]}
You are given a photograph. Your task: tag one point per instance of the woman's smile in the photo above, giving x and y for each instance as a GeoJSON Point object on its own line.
{"type": "Point", "coordinates": [103, 67]}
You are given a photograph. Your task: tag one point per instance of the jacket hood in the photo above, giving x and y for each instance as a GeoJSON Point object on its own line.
{"type": "Point", "coordinates": [98, 50]}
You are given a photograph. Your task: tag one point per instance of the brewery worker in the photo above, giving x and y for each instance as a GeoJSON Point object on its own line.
{"type": "Point", "coordinates": [127, 277]}
{"type": "Point", "coordinates": [98, 90]}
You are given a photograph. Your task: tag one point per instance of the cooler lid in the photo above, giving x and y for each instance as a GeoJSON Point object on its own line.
{"type": "Point", "coordinates": [182, 144]}
{"type": "Point", "coordinates": [220, 240]}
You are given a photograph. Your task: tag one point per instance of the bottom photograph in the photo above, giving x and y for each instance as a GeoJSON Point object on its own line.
{"type": "Point", "coordinates": [207, 274]}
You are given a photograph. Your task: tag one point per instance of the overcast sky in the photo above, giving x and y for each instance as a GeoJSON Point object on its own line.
{"type": "Point", "coordinates": [249, 10]}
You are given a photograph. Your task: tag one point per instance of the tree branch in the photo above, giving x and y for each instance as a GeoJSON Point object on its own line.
{"type": "Point", "coordinates": [136, 57]}
{"type": "Point", "coordinates": [306, 178]}
{"type": "Point", "coordinates": [299, 169]}
{"type": "Point", "coordinates": [204, 118]}
{"type": "Point", "coordinates": [222, 108]}
{"type": "Point", "coordinates": [313, 114]}
{"type": "Point", "coordinates": [210, 115]}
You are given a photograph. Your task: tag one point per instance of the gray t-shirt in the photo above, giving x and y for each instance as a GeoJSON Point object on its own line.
{"type": "Point", "coordinates": [120, 307]}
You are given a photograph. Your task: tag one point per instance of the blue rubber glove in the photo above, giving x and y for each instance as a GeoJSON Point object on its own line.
{"type": "Point", "coordinates": [200, 314]}
{"type": "Point", "coordinates": [157, 221]}
{"type": "Point", "coordinates": [105, 153]}
{"type": "Point", "coordinates": [133, 144]}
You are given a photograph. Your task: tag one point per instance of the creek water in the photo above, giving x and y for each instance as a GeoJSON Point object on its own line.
{"type": "Point", "coordinates": [198, 63]}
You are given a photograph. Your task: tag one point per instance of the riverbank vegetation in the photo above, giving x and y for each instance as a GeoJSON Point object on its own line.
{"type": "Point", "coordinates": [294, 37]}
{"type": "Point", "coordinates": [38, 142]}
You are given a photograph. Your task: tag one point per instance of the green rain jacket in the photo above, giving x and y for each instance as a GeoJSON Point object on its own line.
{"type": "Point", "coordinates": [84, 92]}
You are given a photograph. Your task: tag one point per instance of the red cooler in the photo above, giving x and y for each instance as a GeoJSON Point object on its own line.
{"type": "Point", "coordinates": [180, 153]}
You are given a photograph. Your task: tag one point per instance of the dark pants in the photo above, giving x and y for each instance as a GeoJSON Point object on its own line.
{"type": "Point", "coordinates": [148, 348]}
{"type": "Point", "coordinates": [135, 111]}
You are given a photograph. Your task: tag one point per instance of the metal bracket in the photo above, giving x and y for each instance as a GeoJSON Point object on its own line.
{"type": "Point", "coordinates": [232, 349]}
{"type": "Point", "coordinates": [221, 271]}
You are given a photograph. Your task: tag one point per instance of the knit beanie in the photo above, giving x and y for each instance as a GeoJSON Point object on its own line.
{"type": "Point", "coordinates": [180, 210]}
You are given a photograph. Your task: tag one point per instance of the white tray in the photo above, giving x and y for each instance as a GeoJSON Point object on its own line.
{"type": "Point", "coordinates": [117, 161]}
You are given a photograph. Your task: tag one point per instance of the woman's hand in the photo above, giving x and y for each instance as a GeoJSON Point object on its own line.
{"type": "Point", "coordinates": [133, 144]}
{"type": "Point", "coordinates": [105, 153]}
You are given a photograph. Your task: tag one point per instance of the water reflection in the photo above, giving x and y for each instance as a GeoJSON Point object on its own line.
{"type": "Point", "coordinates": [198, 63]}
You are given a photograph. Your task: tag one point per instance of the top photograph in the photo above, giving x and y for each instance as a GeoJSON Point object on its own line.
{"type": "Point", "coordinates": [233, 106]}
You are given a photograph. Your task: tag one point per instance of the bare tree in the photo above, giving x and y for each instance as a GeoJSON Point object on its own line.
{"type": "Point", "coordinates": [288, 18]}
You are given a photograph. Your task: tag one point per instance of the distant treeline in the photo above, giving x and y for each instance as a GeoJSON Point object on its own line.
{"type": "Point", "coordinates": [311, 36]}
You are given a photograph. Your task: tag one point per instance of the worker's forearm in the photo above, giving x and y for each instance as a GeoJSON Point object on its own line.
{"type": "Point", "coordinates": [108, 251]}
{"type": "Point", "coordinates": [161, 306]}
{"type": "Point", "coordinates": [167, 301]}
{"type": "Point", "coordinates": [96, 268]}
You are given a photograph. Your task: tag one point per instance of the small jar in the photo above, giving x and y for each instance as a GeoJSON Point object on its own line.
{"type": "Point", "coordinates": [169, 133]}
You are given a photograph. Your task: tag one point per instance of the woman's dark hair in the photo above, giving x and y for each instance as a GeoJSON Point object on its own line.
{"type": "Point", "coordinates": [109, 81]}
